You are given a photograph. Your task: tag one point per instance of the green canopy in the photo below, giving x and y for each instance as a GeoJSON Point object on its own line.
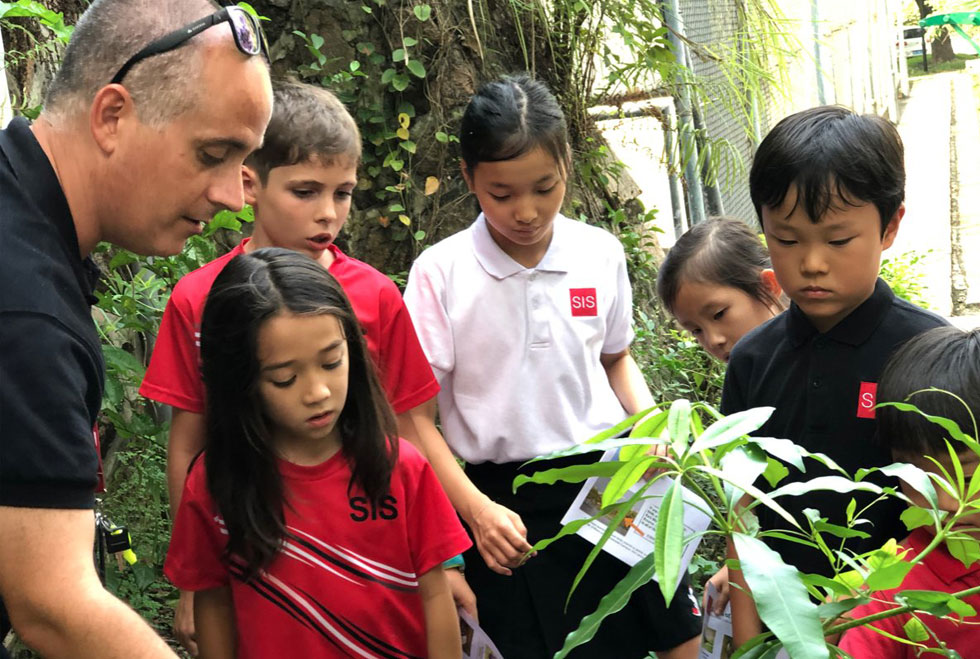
{"type": "Point", "coordinates": [955, 20]}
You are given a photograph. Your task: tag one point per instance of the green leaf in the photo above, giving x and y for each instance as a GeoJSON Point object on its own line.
{"type": "Point", "coordinates": [121, 362]}
{"type": "Point", "coordinates": [831, 483]}
{"type": "Point", "coordinates": [408, 145]}
{"type": "Point", "coordinates": [121, 258]}
{"type": "Point", "coordinates": [388, 76]}
{"type": "Point", "coordinates": [915, 631]}
{"type": "Point", "coordinates": [775, 472]}
{"type": "Point", "coordinates": [679, 425]}
{"type": "Point", "coordinates": [400, 82]}
{"type": "Point", "coordinates": [422, 12]}
{"type": "Point", "coordinates": [743, 464]}
{"type": "Point", "coordinates": [625, 478]}
{"type": "Point", "coordinates": [605, 445]}
{"type": "Point", "coordinates": [651, 424]}
{"type": "Point", "coordinates": [965, 550]}
{"type": "Point", "coordinates": [839, 531]}
{"type": "Point", "coordinates": [614, 601]}
{"type": "Point", "coordinates": [669, 543]}
{"type": "Point", "coordinates": [740, 482]}
{"type": "Point", "coordinates": [569, 529]}
{"type": "Point", "coordinates": [948, 425]}
{"type": "Point", "coordinates": [617, 429]}
{"type": "Point", "coordinates": [416, 68]}
{"type": "Point", "coordinates": [570, 474]}
{"type": "Point", "coordinates": [782, 601]}
{"type": "Point", "coordinates": [732, 427]}
{"type": "Point", "coordinates": [113, 392]}
{"type": "Point", "coordinates": [441, 137]}
{"type": "Point", "coordinates": [419, 235]}
{"type": "Point", "coordinates": [408, 42]}
{"type": "Point", "coordinates": [398, 55]}
{"type": "Point", "coordinates": [913, 517]}
{"type": "Point", "coordinates": [889, 575]}
{"type": "Point", "coordinates": [915, 477]}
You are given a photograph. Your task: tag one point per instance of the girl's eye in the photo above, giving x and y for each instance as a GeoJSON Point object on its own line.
{"type": "Point", "coordinates": [548, 191]}
{"type": "Point", "coordinates": [785, 243]}
{"type": "Point", "coordinates": [282, 384]}
{"type": "Point", "coordinates": [841, 242]}
{"type": "Point", "coordinates": [500, 197]}
{"type": "Point", "coordinates": [333, 365]}
{"type": "Point", "coordinates": [695, 332]}
{"type": "Point", "coordinates": [719, 314]}
{"type": "Point", "coordinates": [344, 194]}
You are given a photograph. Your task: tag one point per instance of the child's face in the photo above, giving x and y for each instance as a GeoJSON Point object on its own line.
{"type": "Point", "coordinates": [301, 207]}
{"type": "Point", "coordinates": [968, 460]}
{"type": "Point", "coordinates": [718, 316]}
{"type": "Point", "coordinates": [828, 268]}
{"type": "Point", "coordinates": [520, 199]}
{"type": "Point", "coordinates": [303, 366]}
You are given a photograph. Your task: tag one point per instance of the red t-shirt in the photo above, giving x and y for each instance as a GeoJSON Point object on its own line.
{"type": "Point", "coordinates": [174, 374]}
{"type": "Point", "coordinates": [938, 571]}
{"type": "Point", "coordinates": [347, 585]}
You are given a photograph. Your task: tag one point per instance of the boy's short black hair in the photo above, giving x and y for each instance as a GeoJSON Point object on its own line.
{"type": "Point", "coordinates": [946, 358]}
{"type": "Point", "coordinates": [832, 156]}
{"type": "Point", "coordinates": [307, 122]}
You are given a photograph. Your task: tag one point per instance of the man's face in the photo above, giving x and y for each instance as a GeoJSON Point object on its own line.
{"type": "Point", "coordinates": [828, 268]}
{"type": "Point", "coordinates": [168, 180]}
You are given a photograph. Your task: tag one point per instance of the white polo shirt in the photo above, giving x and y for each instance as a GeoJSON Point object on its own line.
{"type": "Point", "coordinates": [516, 350]}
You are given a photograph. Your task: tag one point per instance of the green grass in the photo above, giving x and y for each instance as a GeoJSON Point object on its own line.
{"type": "Point", "coordinates": [958, 64]}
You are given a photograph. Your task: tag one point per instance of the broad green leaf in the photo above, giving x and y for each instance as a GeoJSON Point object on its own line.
{"type": "Point", "coordinates": [408, 145]}
{"type": "Point", "coordinates": [400, 82]}
{"type": "Point", "coordinates": [570, 474]}
{"type": "Point", "coordinates": [783, 449]}
{"type": "Point", "coordinates": [775, 472]}
{"type": "Point", "coordinates": [960, 608]}
{"type": "Point", "coordinates": [679, 425]}
{"type": "Point", "coordinates": [746, 462]}
{"type": "Point", "coordinates": [965, 550]}
{"type": "Point", "coordinates": [915, 477]}
{"type": "Point", "coordinates": [916, 631]}
{"type": "Point", "coordinates": [732, 427]}
{"type": "Point", "coordinates": [833, 610]}
{"type": "Point", "coordinates": [416, 68]}
{"type": "Point", "coordinates": [121, 362]}
{"type": "Point", "coordinates": [913, 517]}
{"type": "Point", "coordinates": [639, 575]}
{"type": "Point", "coordinates": [889, 575]}
{"type": "Point", "coordinates": [625, 478]}
{"type": "Point", "coordinates": [839, 531]}
{"type": "Point", "coordinates": [650, 425]}
{"type": "Point", "coordinates": [422, 12]}
{"type": "Point", "coordinates": [669, 542]}
{"type": "Point", "coordinates": [831, 585]}
{"type": "Point", "coordinates": [781, 599]}
{"type": "Point", "coordinates": [821, 483]}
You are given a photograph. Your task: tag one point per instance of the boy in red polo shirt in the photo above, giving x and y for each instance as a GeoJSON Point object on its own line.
{"type": "Point", "coordinates": [300, 185]}
{"type": "Point", "coordinates": [948, 359]}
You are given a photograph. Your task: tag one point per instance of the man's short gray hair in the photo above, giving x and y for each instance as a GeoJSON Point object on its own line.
{"type": "Point", "coordinates": [112, 31]}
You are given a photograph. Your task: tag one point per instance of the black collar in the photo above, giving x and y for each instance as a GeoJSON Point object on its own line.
{"type": "Point", "coordinates": [38, 181]}
{"type": "Point", "coordinates": [854, 329]}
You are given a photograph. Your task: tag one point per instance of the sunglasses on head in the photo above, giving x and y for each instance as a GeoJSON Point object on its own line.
{"type": "Point", "coordinates": [246, 29]}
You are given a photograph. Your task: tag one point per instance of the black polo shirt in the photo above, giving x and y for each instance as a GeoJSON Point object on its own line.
{"type": "Point", "coordinates": [819, 385]}
{"type": "Point", "coordinates": [51, 371]}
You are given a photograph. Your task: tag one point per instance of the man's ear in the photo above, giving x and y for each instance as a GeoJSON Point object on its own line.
{"type": "Point", "coordinates": [111, 108]}
{"type": "Point", "coordinates": [770, 284]}
{"type": "Point", "coordinates": [467, 175]}
{"type": "Point", "coordinates": [891, 229]}
{"type": "Point", "coordinates": [250, 184]}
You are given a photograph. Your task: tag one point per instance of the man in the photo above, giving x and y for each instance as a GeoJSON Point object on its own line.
{"type": "Point", "coordinates": [142, 138]}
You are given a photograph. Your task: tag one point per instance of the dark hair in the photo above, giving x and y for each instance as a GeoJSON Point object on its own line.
{"type": "Point", "coordinates": [107, 34]}
{"type": "Point", "coordinates": [512, 116]}
{"type": "Point", "coordinates": [832, 156]}
{"type": "Point", "coordinates": [946, 358]}
{"type": "Point", "coordinates": [307, 122]}
{"type": "Point", "coordinates": [721, 251]}
{"type": "Point", "coordinates": [242, 474]}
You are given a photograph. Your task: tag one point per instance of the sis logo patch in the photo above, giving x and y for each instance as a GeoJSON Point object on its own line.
{"type": "Point", "coordinates": [867, 398]}
{"type": "Point", "coordinates": [584, 302]}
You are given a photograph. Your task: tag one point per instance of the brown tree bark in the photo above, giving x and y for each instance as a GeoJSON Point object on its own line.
{"type": "Point", "coordinates": [942, 45]}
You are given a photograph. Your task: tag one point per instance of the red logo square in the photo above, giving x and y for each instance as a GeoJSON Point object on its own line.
{"type": "Point", "coordinates": [584, 302]}
{"type": "Point", "coordinates": [867, 398]}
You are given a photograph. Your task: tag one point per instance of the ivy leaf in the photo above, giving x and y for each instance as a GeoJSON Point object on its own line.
{"type": "Point", "coordinates": [404, 219]}
{"type": "Point", "coordinates": [416, 68]}
{"type": "Point", "coordinates": [431, 185]}
{"type": "Point", "coordinates": [387, 76]}
{"type": "Point", "coordinates": [441, 137]}
{"type": "Point", "coordinates": [402, 133]}
{"type": "Point", "coordinates": [408, 145]}
{"type": "Point", "coordinates": [398, 55]}
{"type": "Point", "coordinates": [422, 12]}
{"type": "Point", "coordinates": [408, 42]}
{"type": "Point", "coordinates": [400, 82]}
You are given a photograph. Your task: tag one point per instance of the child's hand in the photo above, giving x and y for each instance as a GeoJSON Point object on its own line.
{"type": "Point", "coordinates": [463, 595]}
{"type": "Point", "coordinates": [720, 582]}
{"type": "Point", "coordinates": [184, 622]}
{"type": "Point", "coordinates": [501, 537]}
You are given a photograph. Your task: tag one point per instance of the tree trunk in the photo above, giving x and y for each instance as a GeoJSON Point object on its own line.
{"type": "Point", "coordinates": [942, 46]}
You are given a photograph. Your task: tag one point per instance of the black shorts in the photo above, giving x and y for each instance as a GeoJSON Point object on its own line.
{"type": "Point", "coordinates": [525, 613]}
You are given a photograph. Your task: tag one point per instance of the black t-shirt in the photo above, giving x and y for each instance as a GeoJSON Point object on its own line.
{"type": "Point", "coordinates": [51, 371]}
{"type": "Point", "coordinates": [820, 386]}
